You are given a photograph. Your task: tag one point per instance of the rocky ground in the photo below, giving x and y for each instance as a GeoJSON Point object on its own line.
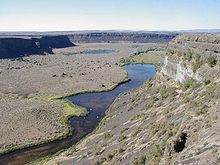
{"type": "Point", "coordinates": [171, 119]}
{"type": "Point", "coordinates": [29, 85]}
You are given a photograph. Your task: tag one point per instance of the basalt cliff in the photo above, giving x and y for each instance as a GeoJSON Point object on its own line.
{"type": "Point", "coordinates": [13, 47]}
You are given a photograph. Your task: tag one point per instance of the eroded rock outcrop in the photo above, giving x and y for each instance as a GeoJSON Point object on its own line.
{"type": "Point", "coordinates": [193, 56]}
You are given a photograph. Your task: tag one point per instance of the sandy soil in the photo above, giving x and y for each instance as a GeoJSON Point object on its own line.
{"type": "Point", "coordinates": [45, 77]}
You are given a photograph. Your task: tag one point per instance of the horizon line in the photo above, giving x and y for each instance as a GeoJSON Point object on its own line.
{"type": "Point", "coordinates": [129, 30]}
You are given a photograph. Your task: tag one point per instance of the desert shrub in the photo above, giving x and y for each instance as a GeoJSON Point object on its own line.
{"type": "Point", "coordinates": [212, 91]}
{"type": "Point", "coordinates": [190, 83]}
{"type": "Point", "coordinates": [136, 132]}
{"type": "Point", "coordinates": [212, 61]}
{"type": "Point", "coordinates": [197, 63]}
{"type": "Point", "coordinates": [124, 129]}
{"type": "Point", "coordinates": [170, 51]}
{"type": "Point", "coordinates": [188, 55]}
{"type": "Point", "coordinates": [139, 160]}
{"type": "Point", "coordinates": [98, 150]}
{"type": "Point", "coordinates": [166, 92]}
{"type": "Point", "coordinates": [167, 113]}
{"type": "Point", "coordinates": [101, 161]}
{"type": "Point", "coordinates": [121, 150]}
{"type": "Point", "coordinates": [111, 155]}
{"type": "Point", "coordinates": [217, 41]}
{"type": "Point", "coordinates": [126, 60]}
{"type": "Point", "coordinates": [121, 137]}
{"type": "Point", "coordinates": [155, 153]}
{"type": "Point", "coordinates": [202, 110]}
{"type": "Point", "coordinates": [107, 135]}
{"type": "Point", "coordinates": [157, 126]}
{"type": "Point", "coordinates": [207, 82]}
{"type": "Point", "coordinates": [171, 130]}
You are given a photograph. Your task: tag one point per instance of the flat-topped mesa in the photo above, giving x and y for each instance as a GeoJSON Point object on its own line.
{"type": "Point", "coordinates": [13, 47]}
{"type": "Point", "coordinates": [193, 56]}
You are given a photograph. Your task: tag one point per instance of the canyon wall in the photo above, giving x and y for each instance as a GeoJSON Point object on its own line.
{"type": "Point", "coordinates": [139, 37]}
{"type": "Point", "coordinates": [12, 47]}
{"type": "Point", "coordinates": [193, 56]}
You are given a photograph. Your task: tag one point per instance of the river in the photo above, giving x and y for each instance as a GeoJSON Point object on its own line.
{"type": "Point", "coordinates": [96, 103]}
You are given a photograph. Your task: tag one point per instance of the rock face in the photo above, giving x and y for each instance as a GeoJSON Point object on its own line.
{"type": "Point", "coordinates": [141, 37]}
{"type": "Point", "coordinates": [55, 42]}
{"type": "Point", "coordinates": [194, 61]}
{"type": "Point", "coordinates": [193, 56]}
{"type": "Point", "coordinates": [171, 120]}
{"type": "Point", "coordinates": [12, 47]}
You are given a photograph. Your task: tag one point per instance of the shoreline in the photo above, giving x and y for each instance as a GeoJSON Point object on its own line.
{"type": "Point", "coordinates": [66, 124]}
{"type": "Point", "coordinates": [100, 125]}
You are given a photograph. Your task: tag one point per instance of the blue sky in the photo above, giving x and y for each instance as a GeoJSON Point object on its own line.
{"type": "Point", "coordinates": [50, 15]}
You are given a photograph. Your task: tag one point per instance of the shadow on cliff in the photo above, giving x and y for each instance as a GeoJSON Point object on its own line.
{"type": "Point", "coordinates": [19, 47]}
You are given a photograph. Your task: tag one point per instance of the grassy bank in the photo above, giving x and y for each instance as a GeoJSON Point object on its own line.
{"type": "Point", "coordinates": [69, 110]}
{"type": "Point", "coordinates": [155, 57]}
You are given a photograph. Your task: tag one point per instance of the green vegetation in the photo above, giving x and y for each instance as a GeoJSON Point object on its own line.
{"type": "Point", "coordinates": [73, 110]}
{"type": "Point", "coordinates": [156, 126]}
{"type": "Point", "coordinates": [121, 137]}
{"type": "Point", "coordinates": [212, 61]}
{"type": "Point", "coordinates": [102, 123]}
{"type": "Point", "coordinates": [166, 92]}
{"type": "Point", "coordinates": [45, 98]}
{"type": "Point", "coordinates": [155, 57]}
{"type": "Point", "coordinates": [124, 61]}
{"type": "Point", "coordinates": [156, 151]}
{"type": "Point", "coordinates": [136, 132]}
{"type": "Point", "coordinates": [198, 60]}
{"type": "Point", "coordinates": [197, 63]}
{"type": "Point", "coordinates": [101, 161]}
{"type": "Point", "coordinates": [167, 113]}
{"type": "Point", "coordinates": [108, 157]}
{"type": "Point", "coordinates": [139, 160]}
{"type": "Point", "coordinates": [111, 155]}
{"type": "Point", "coordinates": [202, 110]}
{"type": "Point", "coordinates": [207, 82]}
{"type": "Point", "coordinates": [199, 101]}
{"type": "Point", "coordinates": [107, 135]}
{"type": "Point", "coordinates": [190, 83]}
{"type": "Point", "coordinates": [188, 55]}
{"type": "Point", "coordinates": [70, 110]}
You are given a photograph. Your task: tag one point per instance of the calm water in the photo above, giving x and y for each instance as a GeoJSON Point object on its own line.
{"type": "Point", "coordinates": [96, 103]}
{"type": "Point", "coordinates": [97, 52]}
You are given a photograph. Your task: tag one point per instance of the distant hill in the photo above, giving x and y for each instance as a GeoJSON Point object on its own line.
{"type": "Point", "coordinates": [201, 31]}
{"type": "Point", "coordinates": [103, 36]}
